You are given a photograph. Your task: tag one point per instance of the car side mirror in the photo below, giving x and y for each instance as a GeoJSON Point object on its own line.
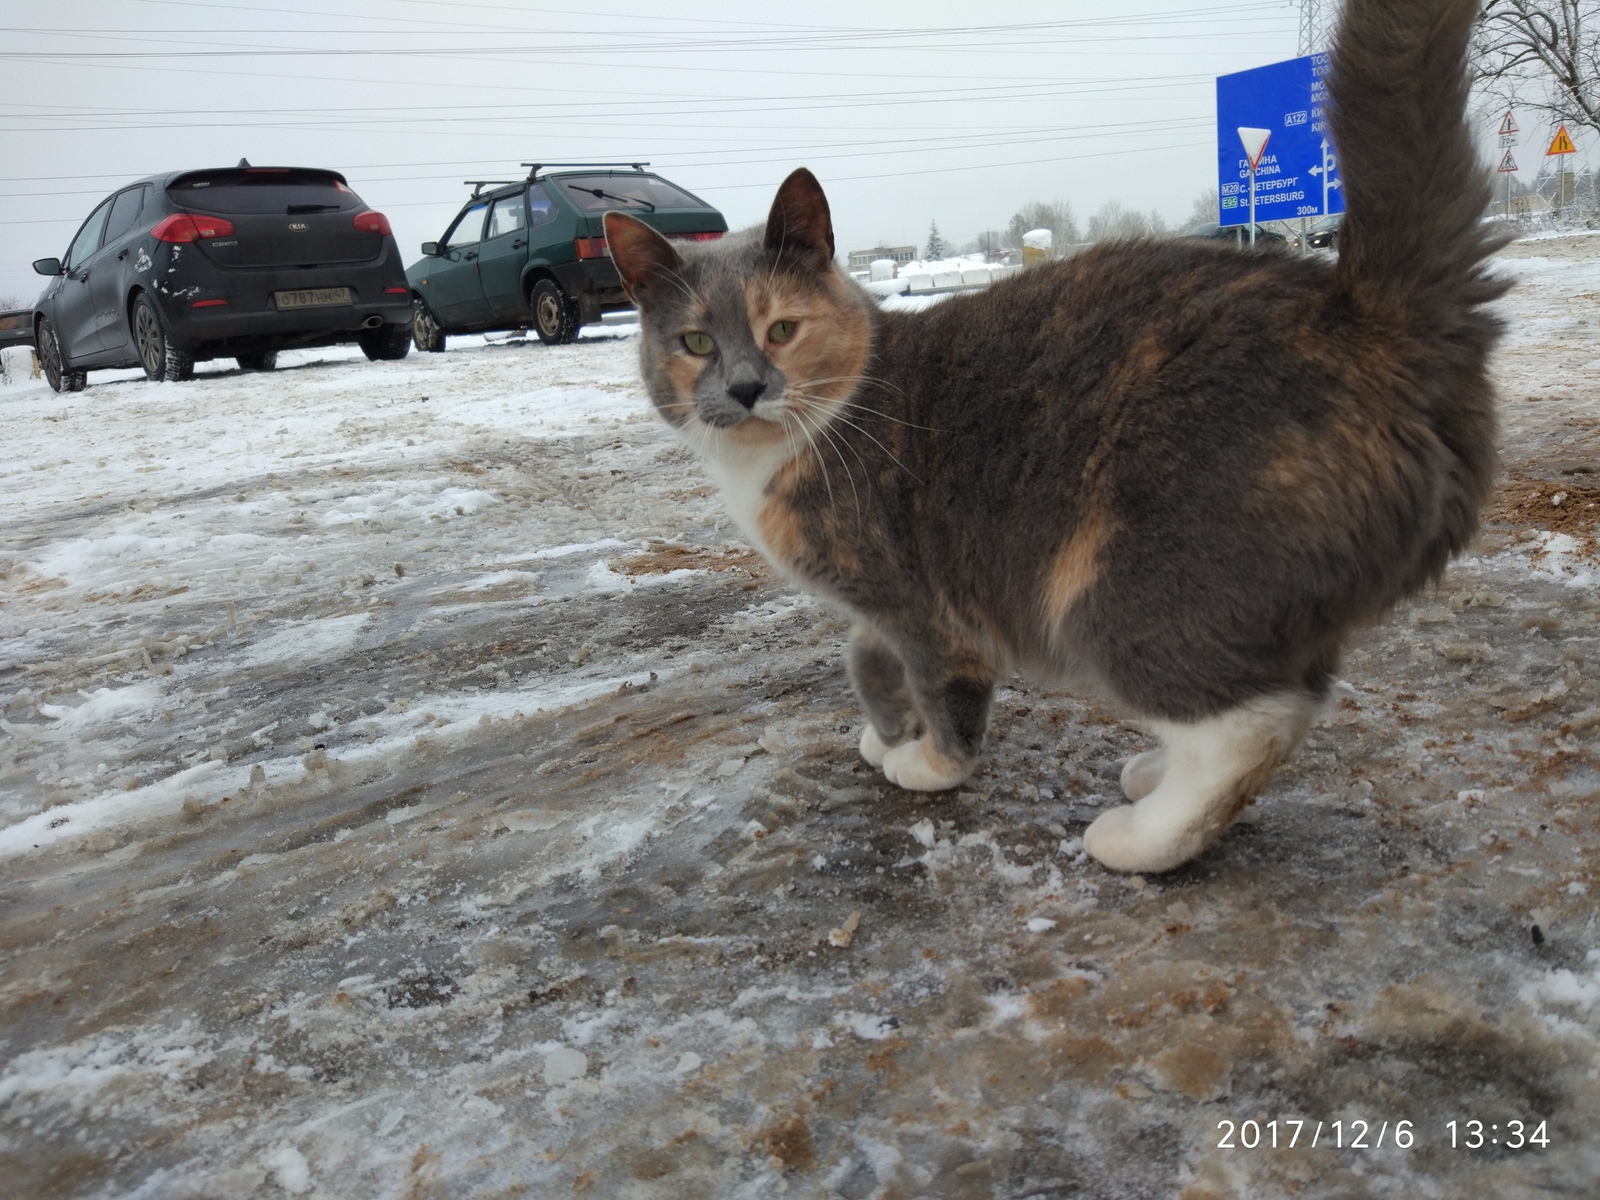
{"type": "Point", "coordinates": [48, 266]}
{"type": "Point", "coordinates": [431, 249]}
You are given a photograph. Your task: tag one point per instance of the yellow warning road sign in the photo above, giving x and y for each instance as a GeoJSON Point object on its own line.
{"type": "Point", "coordinates": [1561, 143]}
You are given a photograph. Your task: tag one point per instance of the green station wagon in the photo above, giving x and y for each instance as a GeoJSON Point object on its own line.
{"type": "Point", "coordinates": [531, 253]}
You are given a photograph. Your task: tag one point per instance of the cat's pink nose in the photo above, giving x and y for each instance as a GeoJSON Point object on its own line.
{"type": "Point", "coordinates": [747, 393]}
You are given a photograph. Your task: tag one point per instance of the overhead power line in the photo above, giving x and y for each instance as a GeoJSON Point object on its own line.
{"type": "Point", "coordinates": [812, 152]}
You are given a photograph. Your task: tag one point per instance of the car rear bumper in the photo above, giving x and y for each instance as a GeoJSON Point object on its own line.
{"type": "Point", "coordinates": [595, 285]}
{"type": "Point", "coordinates": [253, 321]}
{"type": "Point", "coordinates": [208, 308]}
{"type": "Point", "coordinates": [16, 328]}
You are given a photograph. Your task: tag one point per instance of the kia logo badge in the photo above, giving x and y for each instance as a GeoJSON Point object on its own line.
{"type": "Point", "coordinates": [297, 226]}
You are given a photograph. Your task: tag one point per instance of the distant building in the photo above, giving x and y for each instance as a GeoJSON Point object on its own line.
{"type": "Point", "coordinates": [860, 260]}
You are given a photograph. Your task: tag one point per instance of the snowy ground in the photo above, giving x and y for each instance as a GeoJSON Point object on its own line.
{"type": "Point", "coordinates": [410, 787]}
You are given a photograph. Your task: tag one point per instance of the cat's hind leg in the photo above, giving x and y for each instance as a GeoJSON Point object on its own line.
{"type": "Point", "coordinates": [1212, 768]}
{"type": "Point", "coordinates": [880, 682]}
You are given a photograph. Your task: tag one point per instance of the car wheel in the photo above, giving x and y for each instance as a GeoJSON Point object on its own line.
{"type": "Point", "coordinates": [160, 359]}
{"type": "Point", "coordinates": [555, 317]}
{"type": "Point", "coordinates": [385, 342]}
{"type": "Point", "coordinates": [55, 371]}
{"type": "Point", "coordinates": [264, 360]}
{"type": "Point", "coordinates": [425, 331]}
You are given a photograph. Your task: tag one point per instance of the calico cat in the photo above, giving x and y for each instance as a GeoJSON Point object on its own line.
{"type": "Point", "coordinates": [1177, 471]}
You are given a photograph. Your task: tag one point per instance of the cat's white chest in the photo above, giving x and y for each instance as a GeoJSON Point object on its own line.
{"type": "Point", "coordinates": [743, 478]}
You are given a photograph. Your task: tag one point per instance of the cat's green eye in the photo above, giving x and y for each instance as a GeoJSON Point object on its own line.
{"type": "Point", "coordinates": [781, 332]}
{"type": "Point", "coordinates": [698, 343]}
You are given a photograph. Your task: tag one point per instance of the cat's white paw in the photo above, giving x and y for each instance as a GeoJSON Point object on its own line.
{"type": "Point", "coordinates": [1126, 839]}
{"type": "Point", "coordinates": [918, 767]}
{"type": "Point", "coordinates": [1142, 773]}
{"type": "Point", "coordinates": [873, 747]}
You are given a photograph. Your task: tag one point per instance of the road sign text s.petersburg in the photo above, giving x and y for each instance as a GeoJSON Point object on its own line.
{"type": "Point", "coordinates": [1298, 176]}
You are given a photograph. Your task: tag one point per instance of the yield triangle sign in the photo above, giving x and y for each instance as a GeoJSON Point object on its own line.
{"type": "Point", "coordinates": [1509, 125]}
{"type": "Point", "coordinates": [1255, 144]}
{"type": "Point", "coordinates": [1507, 163]}
{"type": "Point", "coordinates": [1561, 143]}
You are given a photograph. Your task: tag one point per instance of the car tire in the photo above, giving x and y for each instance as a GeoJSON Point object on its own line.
{"type": "Point", "coordinates": [425, 331]}
{"type": "Point", "coordinates": [264, 360]}
{"type": "Point", "coordinates": [55, 371]}
{"type": "Point", "coordinates": [555, 316]}
{"type": "Point", "coordinates": [385, 342]}
{"type": "Point", "coordinates": [161, 360]}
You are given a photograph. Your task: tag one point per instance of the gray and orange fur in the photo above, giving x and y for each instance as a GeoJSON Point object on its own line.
{"type": "Point", "coordinates": [1175, 471]}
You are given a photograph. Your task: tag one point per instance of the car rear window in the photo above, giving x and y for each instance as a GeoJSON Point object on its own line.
{"type": "Point", "coordinates": [263, 192]}
{"type": "Point", "coordinates": [623, 192]}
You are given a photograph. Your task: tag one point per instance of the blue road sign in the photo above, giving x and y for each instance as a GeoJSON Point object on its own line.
{"type": "Point", "coordinates": [1299, 173]}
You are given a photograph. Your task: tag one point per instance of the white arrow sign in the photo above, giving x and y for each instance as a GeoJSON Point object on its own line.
{"type": "Point", "coordinates": [1255, 144]}
{"type": "Point", "coordinates": [1330, 163]}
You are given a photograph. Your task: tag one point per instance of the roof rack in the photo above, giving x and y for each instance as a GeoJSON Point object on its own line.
{"type": "Point", "coordinates": [479, 184]}
{"type": "Point", "coordinates": [535, 168]}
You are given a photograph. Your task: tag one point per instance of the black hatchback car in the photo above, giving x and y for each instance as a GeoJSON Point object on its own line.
{"type": "Point", "coordinates": [237, 262]}
{"type": "Point", "coordinates": [1236, 233]}
{"type": "Point", "coordinates": [532, 252]}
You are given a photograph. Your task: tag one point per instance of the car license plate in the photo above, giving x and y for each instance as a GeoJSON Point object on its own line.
{"type": "Point", "coordinates": [312, 297]}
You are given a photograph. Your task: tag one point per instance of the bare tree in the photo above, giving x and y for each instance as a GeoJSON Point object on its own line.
{"type": "Point", "coordinates": [1542, 55]}
{"type": "Point", "coordinates": [1205, 209]}
{"type": "Point", "coordinates": [1056, 217]}
{"type": "Point", "coordinates": [1111, 220]}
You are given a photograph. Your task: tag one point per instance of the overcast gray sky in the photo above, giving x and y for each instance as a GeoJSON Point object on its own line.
{"type": "Point", "coordinates": [908, 112]}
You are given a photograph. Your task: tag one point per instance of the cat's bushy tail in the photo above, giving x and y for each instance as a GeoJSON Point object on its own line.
{"type": "Point", "coordinates": [1413, 243]}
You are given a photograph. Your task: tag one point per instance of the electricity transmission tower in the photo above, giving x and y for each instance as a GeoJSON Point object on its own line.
{"type": "Point", "coordinates": [1317, 19]}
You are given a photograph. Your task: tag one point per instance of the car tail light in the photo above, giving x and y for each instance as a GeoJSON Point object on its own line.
{"type": "Point", "coordinates": [591, 248]}
{"type": "Point", "coordinates": [183, 227]}
{"type": "Point", "coordinates": [208, 303]}
{"type": "Point", "coordinates": [694, 237]}
{"type": "Point", "coordinates": [373, 222]}
{"type": "Point", "coordinates": [396, 291]}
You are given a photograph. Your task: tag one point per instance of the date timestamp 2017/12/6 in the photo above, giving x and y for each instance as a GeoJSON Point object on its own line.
{"type": "Point", "coordinates": [1372, 1135]}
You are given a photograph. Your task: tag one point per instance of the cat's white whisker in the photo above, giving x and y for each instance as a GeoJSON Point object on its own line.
{"type": "Point", "coordinates": [811, 441]}
{"type": "Point", "coordinates": [848, 474]}
{"type": "Point", "coordinates": [864, 433]}
{"type": "Point", "coordinates": [802, 388]}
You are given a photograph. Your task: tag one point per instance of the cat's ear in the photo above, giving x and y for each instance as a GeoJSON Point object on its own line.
{"type": "Point", "coordinates": [800, 223]}
{"type": "Point", "coordinates": [644, 258]}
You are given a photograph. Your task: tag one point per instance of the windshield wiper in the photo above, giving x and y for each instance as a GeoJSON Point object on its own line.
{"type": "Point", "coordinates": [311, 208]}
{"type": "Point", "coordinates": [604, 195]}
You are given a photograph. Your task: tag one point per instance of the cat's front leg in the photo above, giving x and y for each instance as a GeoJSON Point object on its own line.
{"type": "Point", "coordinates": [951, 690]}
{"type": "Point", "coordinates": [880, 682]}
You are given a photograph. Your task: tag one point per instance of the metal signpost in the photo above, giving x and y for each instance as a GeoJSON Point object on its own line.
{"type": "Point", "coordinates": [1255, 145]}
{"type": "Point", "coordinates": [1508, 165]}
{"type": "Point", "coordinates": [1299, 175]}
{"type": "Point", "coordinates": [1559, 145]}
